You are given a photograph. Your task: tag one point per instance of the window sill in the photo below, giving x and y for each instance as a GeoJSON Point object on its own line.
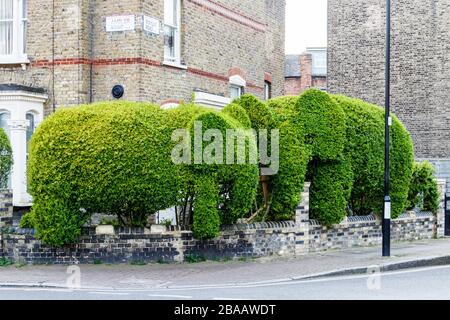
{"type": "Point", "coordinates": [174, 65]}
{"type": "Point", "coordinates": [14, 60]}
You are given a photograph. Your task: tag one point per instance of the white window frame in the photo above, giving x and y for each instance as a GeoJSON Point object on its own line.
{"type": "Point", "coordinates": [176, 59]}
{"type": "Point", "coordinates": [237, 82]}
{"type": "Point", "coordinates": [18, 56]}
{"type": "Point", "coordinates": [267, 90]}
{"type": "Point", "coordinates": [239, 90]}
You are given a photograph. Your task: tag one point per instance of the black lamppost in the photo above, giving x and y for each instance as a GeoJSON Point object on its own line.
{"type": "Point", "coordinates": [387, 199]}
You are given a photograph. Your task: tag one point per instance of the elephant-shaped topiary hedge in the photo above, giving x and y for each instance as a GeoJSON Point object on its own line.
{"type": "Point", "coordinates": [117, 158]}
{"type": "Point", "coordinates": [337, 143]}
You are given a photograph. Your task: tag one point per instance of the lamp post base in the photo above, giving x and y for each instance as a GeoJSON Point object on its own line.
{"type": "Point", "coordinates": [386, 227]}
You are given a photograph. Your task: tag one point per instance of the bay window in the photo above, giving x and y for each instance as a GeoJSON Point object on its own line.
{"type": "Point", "coordinates": [13, 31]}
{"type": "Point", "coordinates": [172, 34]}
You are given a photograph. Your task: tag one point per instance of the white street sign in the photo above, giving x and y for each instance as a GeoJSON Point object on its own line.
{"type": "Point", "coordinates": [152, 25]}
{"type": "Point", "coordinates": [120, 23]}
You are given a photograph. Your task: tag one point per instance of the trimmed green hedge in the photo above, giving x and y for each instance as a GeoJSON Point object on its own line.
{"type": "Point", "coordinates": [294, 157]}
{"type": "Point", "coordinates": [341, 140]}
{"type": "Point", "coordinates": [115, 158]}
{"type": "Point", "coordinates": [237, 182]}
{"type": "Point", "coordinates": [260, 115]}
{"type": "Point", "coordinates": [206, 214]}
{"type": "Point", "coordinates": [109, 158]}
{"type": "Point", "coordinates": [237, 112]}
{"type": "Point", "coordinates": [424, 190]}
{"type": "Point", "coordinates": [331, 184]}
{"type": "Point", "coordinates": [6, 159]}
{"type": "Point", "coordinates": [365, 149]}
{"type": "Point", "coordinates": [324, 123]}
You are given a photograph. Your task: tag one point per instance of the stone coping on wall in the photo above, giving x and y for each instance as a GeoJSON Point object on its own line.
{"type": "Point", "coordinates": [279, 225]}
{"type": "Point", "coordinates": [89, 231]}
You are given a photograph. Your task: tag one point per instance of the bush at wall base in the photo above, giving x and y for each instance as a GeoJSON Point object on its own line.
{"type": "Point", "coordinates": [424, 190]}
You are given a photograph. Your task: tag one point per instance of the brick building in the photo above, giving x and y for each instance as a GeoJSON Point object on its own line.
{"type": "Point", "coordinates": [305, 71]}
{"type": "Point", "coordinates": [420, 64]}
{"type": "Point", "coordinates": [68, 52]}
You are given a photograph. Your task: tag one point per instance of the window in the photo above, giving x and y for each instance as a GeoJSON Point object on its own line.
{"type": "Point", "coordinates": [237, 86]}
{"type": "Point", "coordinates": [235, 92]}
{"type": "Point", "coordinates": [320, 60]}
{"type": "Point", "coordinates": [4, 117]}
{"type": "Point", "coordinates": [31, 127]}
{"type": "Point", "coordinates": [267, 90]}
{"type": "Point", "coordinates": [13, 31]}
{"type": "Point", "coordinates": [172, 38]}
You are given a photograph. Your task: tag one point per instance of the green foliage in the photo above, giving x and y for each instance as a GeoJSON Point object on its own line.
{"type": "Point", "coordinates": [109, 158]}
{"type": "Point", "coordinates": [6, 159]}
{"type": "Point", "coordinates": [283, 108]}
{"type": "Point", "coordinates": [194, 258]}
{"type": "Point", "coordinates": [423, 190]}
{"type": "Point", "coordinates": [331, 183]}
{"type": "Point", "coordinates": [260, 115]}
{"type": "Point", "coordinates": [166, 222]}
{"type": "Point", "coordinates": [365, 149]}
{"type": "Point", "coordinates": [56, 221]}
{"type": "Point", "coordinates": [115, 158]}
{"type": "Point", "coordinates": [5, 262]}
{"type": "Point", "coordinates": [324, 123]}
{"type": "Point", "coordinates": [206, 214]}
{"type": "Point", "coordinates": [341, 143]}
{"type": "Point", "coordinates": [286, 186]}
{"type": "Point", "coordinates": [27, 221]}
{"type": "Point", "coordinates": [237, 112]}
{"type": "Point", "coordinates": [235, 182]}
{"type": "Point", "coordinates": [319, 126]}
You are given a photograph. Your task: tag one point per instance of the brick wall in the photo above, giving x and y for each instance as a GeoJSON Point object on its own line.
{"type": "Point", "coordinates": [216, 36]}
{"type": "Point", "coordinates": [295, 85]}
{"type": "Point", "coordinates": [420, 60]}
{"type": "Point", "coordinates": [285, 239]}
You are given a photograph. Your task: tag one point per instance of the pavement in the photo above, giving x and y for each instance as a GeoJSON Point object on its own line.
{"type": "Point", "coordinates": [431, 283]}
{"type": "Point", "coordinates": [263, 271]}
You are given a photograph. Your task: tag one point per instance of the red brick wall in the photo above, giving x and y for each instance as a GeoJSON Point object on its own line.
{"type": "Point", "coordinates": [296, 85]}
{"type": "Point", "coordinates": [293, 86]}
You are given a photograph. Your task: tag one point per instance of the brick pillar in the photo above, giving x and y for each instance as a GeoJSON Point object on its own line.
{"type": "Point", "coordinates": [440, 216]}
{"type": "Point", "coordinates": [302, 222]}
{"type": "Point", "coordinates": [306, 71]}
{"type": "Point", "coordinates": [6, 208]}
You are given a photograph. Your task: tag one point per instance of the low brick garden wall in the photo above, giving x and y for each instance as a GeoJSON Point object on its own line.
{"type": "Point", "coordinates": [286, 239]}
{"type": "Point", "coordinates": [128, 245]}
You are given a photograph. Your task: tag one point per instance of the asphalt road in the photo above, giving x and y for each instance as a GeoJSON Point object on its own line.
{"type": "Point", "coordinates": [422, 284]}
